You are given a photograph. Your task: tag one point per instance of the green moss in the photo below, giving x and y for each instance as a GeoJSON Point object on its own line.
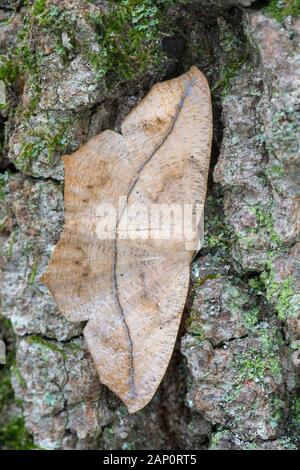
{"type": "Point", "coordinates": [263, 232]}
{"type": "Point", "coordinates": [250, 317]}
{"type": "Point", "coordinates": [193, 326]}
{"type": "Point", "coordinates": [234, 56]}
{"type": "Point", "coordinates": [251, 365]}
{"type": "Point", "coordinates": [280, 9]}
{"type": "Point", "coordinates": [3, 181]}
{"type": "Point", "coordinates": [3, 222]}
{"type": "Point", "coordinates": [277, 407]}
{"type": "Point", "coordinates": [218, 233]}
{"type": "Point", "coordinates": [73, 347]}
{"type": "Point", "coordinates": [228, 72]}
{"type": "Point", "coordinates": [8, 69]}
{"type": "Point", "coordinates": [129, 39]}
{"type": "Point", "coordinates": [265, 226]}
{"type": "Point", "coordinates": [123, 411]}
{"type": "Point", "coordinates": [26, 58]}
{"type": "Point", "coordinates": [250, 446]}
{"type": "Point", "coordinates": [17, 373]}
{"type": "Point", "coordinates": [38, 7]}
{"type": "Point", "coordinates": [33, 272]}
{"type": "Point", "coordinates": [287, 443]}
{"type": "Point", "coordinates": [263, 218]}
{"type": "Point", "coordinates": [129, 45]}
{"type": "Point", "coordinates": [35, 339]}
{"type": "Point", "coordinates": [128, 35]}
{"type": "Point", "coordinates": [202, 280]}
{"type": "Point", "coordinates": [56, 21]}
{"type": "Point", "coordinates": [217, 438]}
{"type": "Point", "coordinates": [14, 436]}
{"type": "Point", "coordinates": [50, 138]}
{"type": "Point", "coordinates": [257, 285]}
{"type": "Point", "coordinates": [6, 391]}
{"type": "Point", "coordinates": [110, 430]}
{"type": "Point", "coordinates": [275, 170]}
{"type": "Point", "coordinates": [296, 411]}
{"type": "Point", "coordinates": [237, 303]}
{"type": "Point", "coordinates": [256, 363]}
{"type": "Point", "coordinates": [282, 294]}
{"type": "Point", "coordinates": [128, 446]}
{"type": "Point", "coordinates": [49, 22]}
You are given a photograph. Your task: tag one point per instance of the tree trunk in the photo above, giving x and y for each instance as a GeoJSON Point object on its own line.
{"type": "Point", "coordinates": [70, 69]}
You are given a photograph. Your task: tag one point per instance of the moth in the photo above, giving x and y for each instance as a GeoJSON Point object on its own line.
{"type": "Point", "coordinates": [114, 268]}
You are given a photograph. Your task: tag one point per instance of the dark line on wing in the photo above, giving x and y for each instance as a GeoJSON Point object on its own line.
{"type": "Point", "coordinates": [115, 258]}
{"type": "Point", "coordinates": [173, 122]}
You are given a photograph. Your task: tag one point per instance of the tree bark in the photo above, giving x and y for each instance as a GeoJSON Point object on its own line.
{"type": "Point", "coordinates": [64, 77]}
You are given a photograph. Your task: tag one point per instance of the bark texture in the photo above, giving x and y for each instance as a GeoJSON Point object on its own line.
{"type": "Point", "coordinates": [234, 376]}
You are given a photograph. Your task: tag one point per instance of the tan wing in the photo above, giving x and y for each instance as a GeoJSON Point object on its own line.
{"type": "Point", "coordinates": [133, 291]}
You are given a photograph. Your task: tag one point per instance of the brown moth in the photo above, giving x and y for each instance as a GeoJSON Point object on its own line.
{"type": "Point", "coordinates": [132, 290]}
